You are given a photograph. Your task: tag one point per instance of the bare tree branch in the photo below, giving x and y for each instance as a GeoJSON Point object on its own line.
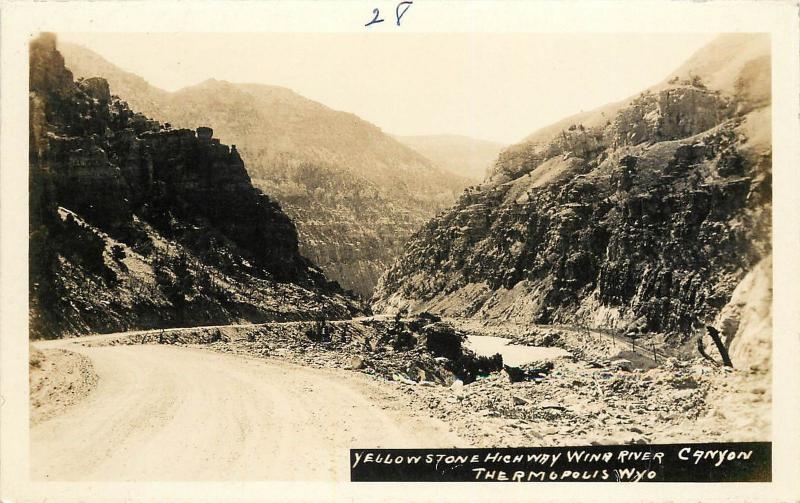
{"type": "Point", "coordinates": [723, 351]}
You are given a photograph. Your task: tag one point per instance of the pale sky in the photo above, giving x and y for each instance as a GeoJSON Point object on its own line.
{"type": "Point", "coordinates": [498, 87]}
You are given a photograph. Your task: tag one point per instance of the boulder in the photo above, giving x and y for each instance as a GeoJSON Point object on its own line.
{"type": "Point", "coordinates": [527, 372]}
{"type": "Point", "coordinates": [623, 364]}
{"type": "Point", "coordinates": [205, 133]}
{"type": "Point", "coordinates": [97, 88]}
{"type": "Point", "coordinates": [356, 362]}
{"type": "Point", "coordinates": [441, 339]}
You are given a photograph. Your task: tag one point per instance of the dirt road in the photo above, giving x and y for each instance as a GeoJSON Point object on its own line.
{"type": "Point", "coordinates": [176, 413]}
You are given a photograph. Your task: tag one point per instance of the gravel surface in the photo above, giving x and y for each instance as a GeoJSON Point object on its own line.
{"type": "Point", "coordinates": [58, 379]}
{"type": "Point", "coordinates": [601, 393]}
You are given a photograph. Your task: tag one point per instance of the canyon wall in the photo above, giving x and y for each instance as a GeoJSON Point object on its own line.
{"type": "Point", "coordinates": [137, 225]}
{"type": "Point", "coordinates": [644, 216]}
{"type": "Point", "coordinates": [354, 192]}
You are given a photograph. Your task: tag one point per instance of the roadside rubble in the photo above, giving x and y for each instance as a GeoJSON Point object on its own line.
{"type": "Point", "coordinates": [593, 396]}
{"type": "Point", "coordinates": [57, 380]}
{"type": "Point", "coordinates": [577, 404]}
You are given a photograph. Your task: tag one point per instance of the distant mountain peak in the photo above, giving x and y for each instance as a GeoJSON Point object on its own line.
{"type": "Point", "coordinates": [322, 165]}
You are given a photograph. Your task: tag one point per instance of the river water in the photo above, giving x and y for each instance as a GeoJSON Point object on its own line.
{"type": "Point", "coordinates": [514, 355]}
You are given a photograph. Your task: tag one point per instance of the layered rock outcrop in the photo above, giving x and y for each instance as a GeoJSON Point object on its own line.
{"type": "Point", "coordinates": [135, 224]}
{"type": "Point", "coordinates": [355, 193]}
{"type": "Point", "coordinates": [650, 218]}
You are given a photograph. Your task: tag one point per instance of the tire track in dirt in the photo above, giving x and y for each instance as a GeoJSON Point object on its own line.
{"type": "Point", "coordinates": [175, 413]}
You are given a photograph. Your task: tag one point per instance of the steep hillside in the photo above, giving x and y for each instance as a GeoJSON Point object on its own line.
{"type": "Point", "coordinates": [460, 155]}
{"type": "Point", "coordinates": [136, 225]}
{"type": "Point", "coordinates": [737, 65]}
{"type": "Point", "coordinates": [139, 93]}
{"type": "Point", "coordinates": [354, 192]}
{"type": "Point", "coordinates": [643, 216]}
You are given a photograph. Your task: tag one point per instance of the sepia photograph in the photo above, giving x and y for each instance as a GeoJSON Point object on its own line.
{"type": "Point", "coordinates": [394, 256]}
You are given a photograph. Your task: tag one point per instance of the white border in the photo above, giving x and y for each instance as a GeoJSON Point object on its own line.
{"type": "Point", "coordinates": [22, 20]}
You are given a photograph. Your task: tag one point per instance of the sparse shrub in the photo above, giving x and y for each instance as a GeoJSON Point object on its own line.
{"type": "Point", "coordinates": [144, 246]}
{"type": "Point", "coordinates": [178, 285]}
{"type": "Point", "coordinates": [35, 357]}
{"type": "Point", "coordinates": [319, 332]}
{"type": "Point", "coordinates": [698, 82]}
{"type": "Point", "coordinates": [215, 336]}
{"type": "Point", "coordinates": [694, 81]}
{"type": "Point", "coordinates": [117, 253]}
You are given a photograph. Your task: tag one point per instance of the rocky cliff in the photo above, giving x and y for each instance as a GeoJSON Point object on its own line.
{"type": "Point", "coordinates": [643, 215]}
{"type": "Point", "coordinates": [134, 224]}
{"type": "Point", "coordinates": [355, 193]}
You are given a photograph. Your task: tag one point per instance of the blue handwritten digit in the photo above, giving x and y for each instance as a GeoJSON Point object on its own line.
{"type": "Point", "coordinates": [406, 6]}
{"type": "Point", "coordinates": [375, 19]}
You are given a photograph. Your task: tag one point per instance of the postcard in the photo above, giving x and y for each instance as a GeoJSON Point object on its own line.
{"type": "Point", "coordinates": [399, 251]}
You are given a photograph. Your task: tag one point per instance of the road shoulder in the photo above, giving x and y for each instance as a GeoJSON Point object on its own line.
{"type": "Point", "coordinates": [58, 379]}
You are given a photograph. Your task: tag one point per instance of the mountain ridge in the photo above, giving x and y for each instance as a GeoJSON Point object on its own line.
{"type": "Point", "coordinates": [382, 189]}
{"type": "Point", "coordinates": [720, 73]}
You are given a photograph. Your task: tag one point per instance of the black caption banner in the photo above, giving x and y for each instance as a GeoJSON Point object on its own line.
{"type": "Point", "coordinates": [712, 462]}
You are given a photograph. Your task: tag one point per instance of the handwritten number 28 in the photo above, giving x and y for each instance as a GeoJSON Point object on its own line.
{"type": "Point", "coordinates": [399, 11]}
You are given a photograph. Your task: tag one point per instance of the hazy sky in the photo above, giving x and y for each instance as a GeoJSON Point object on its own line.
{"type": "Point", "coordinates": [492, 86]}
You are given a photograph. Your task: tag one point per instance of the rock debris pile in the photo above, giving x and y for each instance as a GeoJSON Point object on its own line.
{"type": "Point", "coordinates": [567, 401]}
